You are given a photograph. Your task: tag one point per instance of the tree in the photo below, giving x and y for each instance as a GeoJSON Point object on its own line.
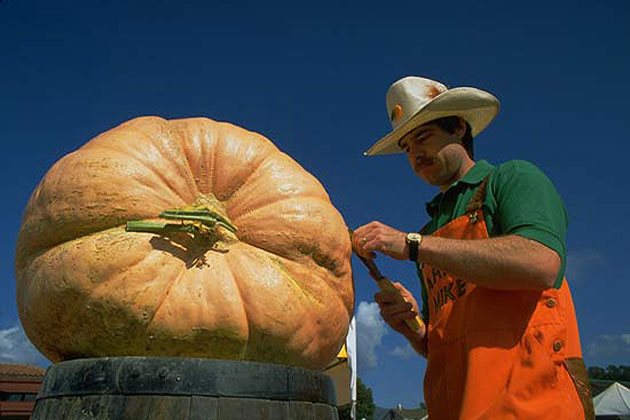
{"type": "Point", "coordinates": [365, 403]}
{"type": "Point", "coordinates": [612, 372]}
{"type": "Point", "coordinates": [595, 372]}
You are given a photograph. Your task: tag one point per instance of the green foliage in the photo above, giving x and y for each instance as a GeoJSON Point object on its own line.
{"type": "Point", "coordinates": [344, 413]}
{"type": "Point", "coordinates": [612, 372]}
{"type": "Point", "coordinates": [365, 403]}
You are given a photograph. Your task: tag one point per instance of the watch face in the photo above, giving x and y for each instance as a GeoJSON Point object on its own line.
{"type": "Point", "coordinates": [413, 237]}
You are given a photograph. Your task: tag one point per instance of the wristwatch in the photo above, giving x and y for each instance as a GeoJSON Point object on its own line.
{"type": "Point", "coordinates": [413, 239]}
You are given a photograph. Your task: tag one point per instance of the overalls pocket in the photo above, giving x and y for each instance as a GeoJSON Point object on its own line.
{"type": "Point", "coordinates": [534, 368]}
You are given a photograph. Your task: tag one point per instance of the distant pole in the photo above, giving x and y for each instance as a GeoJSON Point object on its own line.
{"type": "Point", "coordinates": [351, 347]}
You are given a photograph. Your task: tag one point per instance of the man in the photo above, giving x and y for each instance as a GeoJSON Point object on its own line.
{"type": "Point", "coordinates": [500, 333]}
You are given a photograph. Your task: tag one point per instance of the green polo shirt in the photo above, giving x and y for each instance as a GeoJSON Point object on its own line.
{"type": "Point", "coordinates": [520, 200]}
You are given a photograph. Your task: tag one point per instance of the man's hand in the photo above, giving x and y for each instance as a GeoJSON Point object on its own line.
{"type": "Point", "coordinates": [395, 312]}
{"type": "Point", "coordinates": [376, 236]}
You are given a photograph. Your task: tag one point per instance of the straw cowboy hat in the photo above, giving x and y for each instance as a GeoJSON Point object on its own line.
{"type": "Point", "coordinates": [413, 101]}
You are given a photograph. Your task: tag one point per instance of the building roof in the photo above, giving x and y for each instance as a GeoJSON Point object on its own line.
{"type": "Point", "coordinates": [399, 413]}
{"type": "Point", "coordinates": [614, 401]}
{"type": "Point", "coordinates": [12, 370]}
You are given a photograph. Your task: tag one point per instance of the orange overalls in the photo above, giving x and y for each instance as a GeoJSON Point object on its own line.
{"type": "Point", "coordinates": [495, 354]}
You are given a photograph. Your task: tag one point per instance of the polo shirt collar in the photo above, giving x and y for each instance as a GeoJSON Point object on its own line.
{"type": "Point", "coordinates": [474, 176]}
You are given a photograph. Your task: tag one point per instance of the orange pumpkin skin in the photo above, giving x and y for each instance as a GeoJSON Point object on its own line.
{"type": "Point", "coordinates": [278, 290]}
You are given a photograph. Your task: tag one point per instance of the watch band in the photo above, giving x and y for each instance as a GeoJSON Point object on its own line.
{"type": "Point", "coordinates": [413, 240]}
{"type": "Point", "coordinates": [413, 251]}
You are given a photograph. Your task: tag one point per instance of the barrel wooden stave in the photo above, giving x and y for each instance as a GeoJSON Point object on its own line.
{"type": "Point", "coordinates": [140, 407]}
{"type": "Point", "coordinates": [188, 389]}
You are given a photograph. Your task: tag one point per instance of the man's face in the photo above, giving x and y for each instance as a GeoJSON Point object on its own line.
{"type": "Point", "coordinates": [434, 154]}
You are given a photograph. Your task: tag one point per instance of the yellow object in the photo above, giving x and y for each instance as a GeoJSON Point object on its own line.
{"type": "Point", "coordinates": [343, 354]}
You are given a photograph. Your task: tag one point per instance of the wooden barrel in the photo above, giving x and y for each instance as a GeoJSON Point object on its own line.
{"type": "Point", "coordinates": [141, 388]}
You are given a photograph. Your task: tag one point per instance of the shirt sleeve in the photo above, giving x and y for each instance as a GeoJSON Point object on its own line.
{"type": "Point", "coordinates": [528, 205]}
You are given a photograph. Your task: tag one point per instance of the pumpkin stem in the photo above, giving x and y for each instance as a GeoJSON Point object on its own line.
{"type": "Point", "coordinates": [151, 227]}
{"type": "Point", "coordinates": [203, 215]}
{"type": "Point", "coordinates": [193, 220]}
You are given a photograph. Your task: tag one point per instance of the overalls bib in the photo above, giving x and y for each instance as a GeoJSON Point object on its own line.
{"type": "Point", "coordinates": [498, 354]}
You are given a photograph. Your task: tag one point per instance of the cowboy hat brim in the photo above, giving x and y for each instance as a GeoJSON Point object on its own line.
{"type": "Point", "coordinates": [475, 106]}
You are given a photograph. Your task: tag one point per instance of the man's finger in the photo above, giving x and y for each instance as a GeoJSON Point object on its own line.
{"type": "Point", "coordinates": [396, 308]}
{"type": "Point", "coordinates": [386, 296]}
{"type": "Point", "coordinates": [399, 317]}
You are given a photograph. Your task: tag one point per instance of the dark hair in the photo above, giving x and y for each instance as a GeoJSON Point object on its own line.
{"type": "Point", "coordinates": [450, 124]}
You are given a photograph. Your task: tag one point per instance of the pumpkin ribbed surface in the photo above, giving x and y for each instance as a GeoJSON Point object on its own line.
{"type": "Point", "coordinates": [277, 289]}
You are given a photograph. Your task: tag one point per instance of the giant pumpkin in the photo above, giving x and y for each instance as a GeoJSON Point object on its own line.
{"type": "Point", "coordinates": [273, 283]}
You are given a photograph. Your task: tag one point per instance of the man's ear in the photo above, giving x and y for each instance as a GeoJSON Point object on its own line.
{"type": "Point", "coordinates": [460, 131]}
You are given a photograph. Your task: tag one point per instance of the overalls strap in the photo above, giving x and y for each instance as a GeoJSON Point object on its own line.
{"type": "Point", "coordinates": [476, 202]}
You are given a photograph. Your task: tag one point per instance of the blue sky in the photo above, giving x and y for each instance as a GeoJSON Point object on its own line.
{"type": "Point", "coordinates": [312, 77]}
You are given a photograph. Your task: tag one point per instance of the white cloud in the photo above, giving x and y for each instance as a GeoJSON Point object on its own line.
{"type": "Point", "coordinates": [15, 347]}
{"type": "Point", "coordinates": [370, 331]}
{"type": "Point", "coordinates": [610, 349]}
{"type": "Point", "coordinates": [581, 262]}
{"type": "Point", "coordinates": [403, 352]}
